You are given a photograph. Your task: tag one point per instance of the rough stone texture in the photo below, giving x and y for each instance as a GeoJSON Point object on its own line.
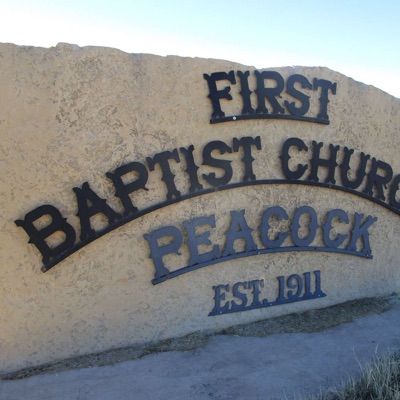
{"type": "Point", "coordinates": [69, 115]}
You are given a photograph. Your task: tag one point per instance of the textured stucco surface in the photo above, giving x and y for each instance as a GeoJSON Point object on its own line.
{"type": "Point", "coordinates": [69, 115]}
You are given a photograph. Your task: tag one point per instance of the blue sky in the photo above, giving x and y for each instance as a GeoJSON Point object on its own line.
{"type": "Point", "coordinates": [357, 38]}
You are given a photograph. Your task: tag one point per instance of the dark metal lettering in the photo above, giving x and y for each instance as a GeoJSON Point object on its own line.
{"type": "Point", "coordinates": [285, 157]}
{"type": "Point", "coordinates": [225, 165]}
{"type": "Point", "coordinates": [239, 295]}
{"type": "Point", "coordinates": [194, 240]}
{"type": "Point", "coordinates": [393, 191]}
{"type": "Point", "coordinates": [256, 287]}
{"type": "Point", "coordinates": [162, 159]}
{"type": "Point", "coordinates": [219, 296]}
{"type": "Point", "coordinates": [280, 214]}
{"type": "Point", "coordinates": [303, 98]}
{"type": "Point", "coordinates": [281, 290]}
{"type": "Point", "coordinates": [215, 95]}
{"type": "Point", "coordinates": [245, 92]}
{"type": "Point", "coordinates": [360, 231]}
{"type": "Point", "coordinates": [318, 292]}
{"type": "Point", "coordinates": [246, 143]}
{"type": "Point", "coordinates": [292, 289]}
{"type": "Point", "coordinates": [307, 284]}
{"type": "Point", "coordinates": [191, 169]}
{"type": "Point", "coordinates": [323, 100]}
{"type": "Point", "coordinates": [84, 196]}
{"type": "Point", "coordinates": [123, 190]}
{"type": "Point", "coordinates": [238, 230]}
{"type": "Point", "coordinates": [317, 162]}
{"type": "Point", "coordinates": [305, 219]}
{"type": "Point", "coordinates": [312, 226]}
{"type": "Point", "coordinates": [379, 181]}
{"type": "Point", "coordinates": [340, 238]}
{"type": "Point", "coordinates": [157, 252]}
{"type": "Point", "coordinates": [38, 236]}
{"type": "Point", "coordinates": [294, 282]}
{"type": "Point", "coordinates": [345, 167]}
{"type": "Point", "coordinates": [271, 93]}
{"type": "Point", "coordinates": [270, 86]}
{"type": "Point", "coordinates": [90, 204]}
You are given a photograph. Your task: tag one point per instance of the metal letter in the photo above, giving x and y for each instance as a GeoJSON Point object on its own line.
{"type": "Point", "coordinates": [123, 190]}
{"type": "Point", "coordinates": [285, 157]}
{"type": "Point", "coordinates": [191, 169]}
{"type": "Point", "coordinates": [334, 243]}
{"type": "Point", "coordinates": [216, 94]}
{"type": "Point", "coordinates": [167, 175]}
{"type": "Point", "coordinates": [323, 100]}
{"type": "Point", "coordinates": [344, 168]}
{"type": "Point", "coordinates": [85, 211]}
{"type": "Point", "coordinates": [269, 93]}
{"type": "Point", "coordinates": [317, 162]}
{"type": "Point", "coordinates": [195, 241]}
{"type": "Point", "coordinates": [304, 99]}
{"type": "Point", "coordinates": [280, 214]}
{"type": "Point", "coordinates": [361, 231]}
{"type": "Point", "coordinates": [238, 230]}
{"type": "Point", "coordinates": [246, 142]}
{"type": "Point", "coordinates": [158, 252]}
{"type": "Point", "coordinates": [38, 237]}
{"type": "Point", "coordinates": [212, 162]}
{"type": "Point", "coordinates": [313, 225]}
{"type": "Point", "coordinates": [379, 181]}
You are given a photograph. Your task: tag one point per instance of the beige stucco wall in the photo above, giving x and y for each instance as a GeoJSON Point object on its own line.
{"type": "Point", "coordinates": [69, 115]}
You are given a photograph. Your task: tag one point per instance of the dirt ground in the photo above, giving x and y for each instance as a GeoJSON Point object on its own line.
{"type": "Point", "coordinates": [308, 322]}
